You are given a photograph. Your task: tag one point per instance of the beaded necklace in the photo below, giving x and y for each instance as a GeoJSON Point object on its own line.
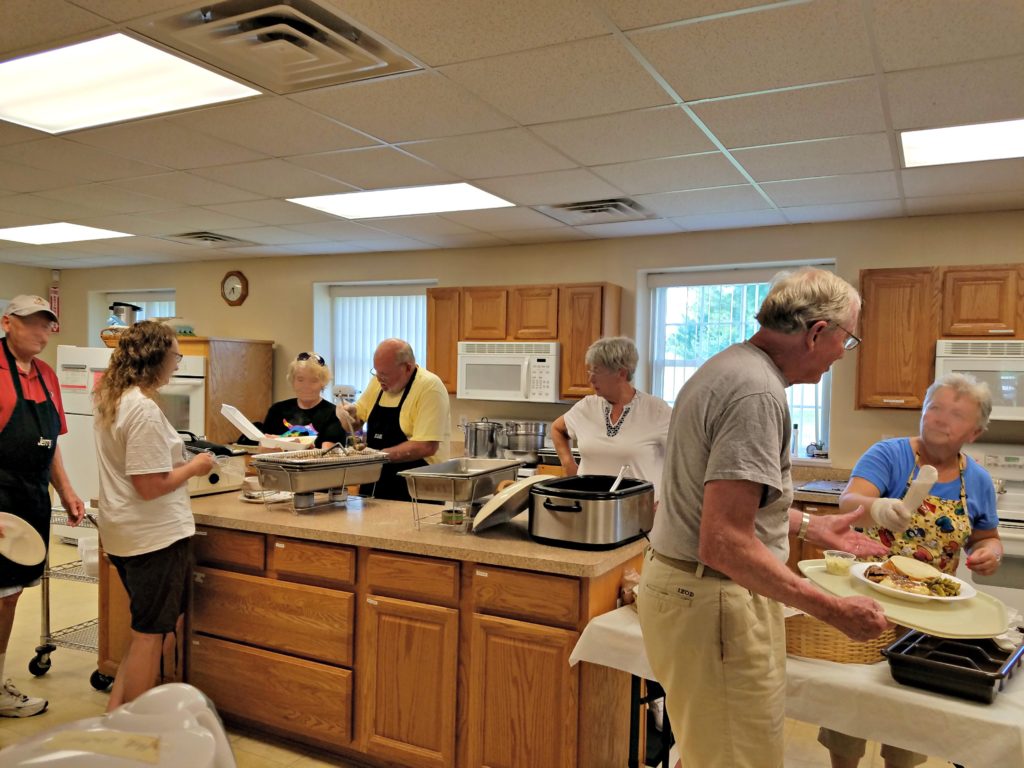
{"type": "Point", "coordinates": [613, 429]}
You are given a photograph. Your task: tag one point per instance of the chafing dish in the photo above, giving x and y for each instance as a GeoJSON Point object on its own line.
{"type": "Point", "coordinates": [460, 481]}
{"type": "Point", "coordinates": [303, 473]}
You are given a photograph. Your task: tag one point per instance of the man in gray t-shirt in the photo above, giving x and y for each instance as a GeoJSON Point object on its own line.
{"type": "Point", "coordinates": [714, 580]}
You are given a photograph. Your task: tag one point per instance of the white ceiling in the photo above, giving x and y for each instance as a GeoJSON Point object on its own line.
{"type": "Point", "coordinates": [712, 114]}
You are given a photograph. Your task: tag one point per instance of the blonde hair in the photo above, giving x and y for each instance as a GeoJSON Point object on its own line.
{"type": "Point", "coordinates": [310, 365]}
{"type": "Point", "coordinates": [963, 384]}
{"type": "Point", "coordinates": [798, 299]}
{"type": "Point", "coordinates": [136, 362]}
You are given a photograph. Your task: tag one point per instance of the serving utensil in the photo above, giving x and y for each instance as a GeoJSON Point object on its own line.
{"type": "Point", "coordinates": [618, 478]}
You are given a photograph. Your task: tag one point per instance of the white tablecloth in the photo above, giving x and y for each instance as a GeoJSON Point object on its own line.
{"type": "Point", "coordinates": [855, 698]}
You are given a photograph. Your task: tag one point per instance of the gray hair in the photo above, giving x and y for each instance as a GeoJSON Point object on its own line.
{"type": "Point", "coordinates": [964, 384]}
{"type": "Point", "coordinates": [798, 299]}
{"type": "Point", "coordinates": [613, 353]}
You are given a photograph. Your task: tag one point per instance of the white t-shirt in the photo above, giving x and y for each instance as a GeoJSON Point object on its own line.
{"type": "Point", "coordinates": [140, 442]}
{"type": "Point", "coordinates": [640, 441]}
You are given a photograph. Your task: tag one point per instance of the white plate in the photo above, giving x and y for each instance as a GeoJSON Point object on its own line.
{"type": "Point", "coordinates": [506, 503]}
{"type": "Point", "coordinates": [21, 542]}
{"type": "Point", "coordinates": [966, 590]}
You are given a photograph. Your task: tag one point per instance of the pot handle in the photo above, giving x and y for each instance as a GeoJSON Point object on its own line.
{"type": "Point", "coordinates": [576, 507]}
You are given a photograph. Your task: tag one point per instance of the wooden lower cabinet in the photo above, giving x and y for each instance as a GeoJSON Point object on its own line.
{"type": "Point", "coordinates": [804, 550]}
{"type": "Point", "coordinates": [522, 695]}
{"type": "Point", "coordinates": [293, 697]}
{"type": "Point", "coordinates": [407, 674]}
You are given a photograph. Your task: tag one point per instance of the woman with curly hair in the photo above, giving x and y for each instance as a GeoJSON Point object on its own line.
{"type": "Point", "coordinates": [145, 517]}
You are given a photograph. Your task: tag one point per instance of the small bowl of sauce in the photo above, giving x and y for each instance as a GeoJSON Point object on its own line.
{"type": "Point", "coordinates": [838, 562]}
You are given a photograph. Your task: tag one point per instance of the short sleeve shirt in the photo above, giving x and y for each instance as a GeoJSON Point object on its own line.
{"type": "Point", "coordinates": [31, 388]}
{"type": "Point", "coordinates": [425, 416]}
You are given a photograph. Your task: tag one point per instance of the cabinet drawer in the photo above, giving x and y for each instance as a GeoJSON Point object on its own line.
{"type": "Point", "coordinates": [537, 597]}
{"type": "Point", "coordinates": [417, 578]}
{"type": "Point", "coordinates": [239, 549]}
{"type": "Point", "coordinates": [300, 699]}
{"type": "Point", "coordinates": [311, 561]}
{"type": "Point", "coordinates": [297, 619]}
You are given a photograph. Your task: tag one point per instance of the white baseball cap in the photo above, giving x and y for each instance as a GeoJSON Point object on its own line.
{"type": "Point", "coordinates": [26, 305]}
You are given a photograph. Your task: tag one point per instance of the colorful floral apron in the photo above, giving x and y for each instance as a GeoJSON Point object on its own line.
{"type": "Point", "coordinates": [938, 531]}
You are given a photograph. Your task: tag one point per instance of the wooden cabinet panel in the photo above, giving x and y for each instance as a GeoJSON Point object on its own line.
{"type": "Point", "coordinates": [443, 335]}
{"type": "Point", "coordinates": [311, 562]}
{"type": "Point", "coordinates": [408, 681]}
{"type": "Point", "coordinates": [533, 312]}
{"type": "Point", "coordinates": [980, 301]}
{"type": "Point", "coordinates": [521, 594]}
{"type": "Point", "coordinates": [484, 314]}
{"type": "Point", "coordinates": [418, 578]}
{"type": "Point", "coordinates": [804, 550]}
{"type": "Point", "coordinates": [899, 324]}
{"type": "Point", "coordinates": [585, 314]}
{"type": "Point", "coordinates": [522, 696]}
{"type": "Point", "coordinates": [299, 699]}
{"type": "Point", "coordinates": [307, 621]}
{"type": "Point", "coordinates": [235, 549]}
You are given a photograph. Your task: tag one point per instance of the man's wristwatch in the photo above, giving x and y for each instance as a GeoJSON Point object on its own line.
{"type": "Point", "coordinates": [805, 523]}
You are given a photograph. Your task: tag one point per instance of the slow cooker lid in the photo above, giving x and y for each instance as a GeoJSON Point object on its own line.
{"type": "Point", "coordinates": [594, 487]}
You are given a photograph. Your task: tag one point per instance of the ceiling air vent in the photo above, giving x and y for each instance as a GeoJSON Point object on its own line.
{"type": "Point", "coordinates": [209, 239]}
{"type": "Point", "coordinates": [284, 47]}
{"type": "Point", "coordinates": [597, 211]}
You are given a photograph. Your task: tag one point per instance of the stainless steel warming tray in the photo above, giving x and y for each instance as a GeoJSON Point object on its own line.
{"type": "Point", "coordinates": [314, 470]}
{"type": "Point", "coordinates": [460, 481]}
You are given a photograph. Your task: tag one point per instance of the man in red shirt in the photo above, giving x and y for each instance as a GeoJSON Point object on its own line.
{"type": "Point", "coordinates": [31, 418]}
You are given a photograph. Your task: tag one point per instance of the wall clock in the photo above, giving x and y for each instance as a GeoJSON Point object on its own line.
{"type": "Point", "coordinates": [234, 288]}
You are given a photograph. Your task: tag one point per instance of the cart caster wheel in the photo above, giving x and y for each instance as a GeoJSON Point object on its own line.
{"type": "Point", "coordinates": [39, 665]}
{"type": "Point", "coordinates": [99, 681]}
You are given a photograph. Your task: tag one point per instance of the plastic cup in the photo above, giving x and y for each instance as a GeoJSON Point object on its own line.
{"type": "Point", "coordinates": [838, 562]}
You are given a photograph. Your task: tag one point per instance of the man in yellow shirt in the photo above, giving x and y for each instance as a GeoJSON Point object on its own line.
{"type": "Point", "coordinates": [407, 414]}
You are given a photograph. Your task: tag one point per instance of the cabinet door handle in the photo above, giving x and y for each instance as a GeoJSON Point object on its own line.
{"type": "Point", "coordinates": [371, 601]}
{"type": "Point", "coordinates": [482, 574]}
{"type": "Point", "coordinates": [1000, 330]}
{"type": "Point", "coordinates": [200, 533]}
{"type": "Point", "coordinates": [894, 401]}
{"type": "Point", "coordinates": [810, 509]}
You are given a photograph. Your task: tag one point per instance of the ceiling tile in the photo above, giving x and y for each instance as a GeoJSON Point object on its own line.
{"type": "Point", "coordinates": [374, 168]}
{"type": "Point", "coordinates": [630, 228]}
{"type": "Point", "coordinates": [774, 48]}
{"type": "Point", "coordinates": [557, 234]}
{"type": "Point", "coordinates": [732, 220]}
{"type": "Point", "coordinates": [273, 126]}
{"type": "Point", "coordinates": [419, 105]}
{"type": "Point", "coordinates": [134, 224]}
{"type": "Point", "coordinates": [108, 198]}
{"type": "Point", "coordinates": [497, 153]}
{"type": "Point", "coordinates": [670, 174]}
{"type": "Point", "coordinates": [184, 188]}
{"type": "Point", "coordinates": [853, 188]}
{"type": "Point", "coordinates": [269, 235]}
{"type": "Point", "coordinates": [13, 134]}
{"type": "Point", "coordinates": [923, 33]}
{"type": "Point", "coordinates": [503, 219]}
{"type": "Point", "coordinates": [327, 248]}
{"type": "Point", "coordinates": [83, 161]}
{"type": "Point", "coordinates": [390, 244]}
{"type": "Point", "coordinates": [421, 226]}
{"type": "Point", "coordinates": [472, 240]}
{"type": "Point", "coordinates": [581, 79]}
{"type": "Point", "coordinates": [978, 92]}
{"type": "Point", "coordinates": [958, 179]}
{"type": "Point", "coordinates": [161, 142]}
{"type": "Point", "coordinates": [35, 23]}
{"type": "Point", "coordinates": [631, 14]}
{"type": "Point", "coordinates": [440, 31]}
{"type": "Point", "coordinates": [826, 157]}
{"type": "Point", "coordinates": [991, 201]}
{"type": "Point", "coordinates": [192, 220]}
{"type": "Point", "coordinates": [883, 209]}
{"type": "Point", "coordinates": [840, 109]}
{"type": "Point", "coordinates": [45, 210]}
{"type": "Point", "coordinates": [343, 229]}
{"type": "Point", "coordinates": [271, 212]}
{"type": "Point", "coordinates": [273, 178]}
{"type": "Point", "coordinates": [553, 187]}
{"type": "Point", "coordinates": [16, 177]}
{"type": "Point", "coordinates": [674, 204]}
{"type": "Point", "coordinates": [636, 135]}
{"type": "Point", "coordinates": [119, 10]}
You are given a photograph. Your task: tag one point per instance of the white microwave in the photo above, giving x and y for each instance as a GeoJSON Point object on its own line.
{"type": "Point", "coordinates": [508, 370]}
{"type": "Point", "coordinates": [1000, 364]}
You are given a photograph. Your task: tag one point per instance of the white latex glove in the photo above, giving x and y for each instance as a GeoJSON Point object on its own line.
{"type": "Point", "coordinates": [892, 514]}
{"type": "Point", "coordinates": [345, 418]}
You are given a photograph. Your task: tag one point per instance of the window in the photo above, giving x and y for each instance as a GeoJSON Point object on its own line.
{"type": "Point", "coordinates": [363, 316]}
{"type": "Point", "coordinates": [695, 315]}
{"type": "Point", "coordinates": [153, 303]}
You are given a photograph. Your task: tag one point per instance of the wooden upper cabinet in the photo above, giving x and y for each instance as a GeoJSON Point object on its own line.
{"type": "Point", "coordinates": [443, 334]}
{"type": "Point", "coordinates": [533, 312]}
{"type": "Point", "coordinates": [484, 314]}
{"type": "Point", "coordinates": [899, 324]}
{"type": "Point", "coordinates": [980, 301]}
{"type": "Point", "coordinates": [585, 314]}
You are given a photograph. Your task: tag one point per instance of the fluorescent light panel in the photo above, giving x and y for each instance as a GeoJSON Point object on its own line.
{"type": "Point", "coordinates": [102, 81]}
{"type": "Point", "coordinates": [404, 201]}
{"type": "Point", "coordinates": [963, 143]}
{"type": "Point", "coordinates": [62, 232]}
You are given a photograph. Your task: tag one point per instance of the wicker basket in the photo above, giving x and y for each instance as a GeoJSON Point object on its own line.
{"type": "Point", "coordinates": [814, 639]}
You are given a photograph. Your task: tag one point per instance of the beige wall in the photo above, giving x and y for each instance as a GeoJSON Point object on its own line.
{"type": "Point", "coordinates": [280, 289]}
{"type": "Point", "coordinates": [16, 280]}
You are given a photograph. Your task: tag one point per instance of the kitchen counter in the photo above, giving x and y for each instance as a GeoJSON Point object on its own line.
{"type": "Point", "coordinates": [389, 525]}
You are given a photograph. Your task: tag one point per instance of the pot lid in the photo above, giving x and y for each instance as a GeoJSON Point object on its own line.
{"type": "Point", "coordinates": [506, 503]}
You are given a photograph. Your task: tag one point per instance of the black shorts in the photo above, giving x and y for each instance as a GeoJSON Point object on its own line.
{"type": "Point", "coordinates": [157, 585]}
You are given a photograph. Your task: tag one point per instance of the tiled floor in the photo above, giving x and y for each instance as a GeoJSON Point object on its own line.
{"type": "Point", "coordinates": [71, 696]}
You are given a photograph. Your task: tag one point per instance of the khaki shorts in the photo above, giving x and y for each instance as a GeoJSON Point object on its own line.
{"type": "Point", "coordinates": [853, 747]}
{"type": "Point", "coordinates": [719, 651]}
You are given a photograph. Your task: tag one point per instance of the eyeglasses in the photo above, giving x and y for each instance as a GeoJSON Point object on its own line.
{"type": "Point", "coordinates": [304, 356]}
{"type": "Point", "coordinates": [596, 372]}
{"type": "Point", "coordinates": [852, 339]}
{"type": "Point", "coordinates": [177, 357]}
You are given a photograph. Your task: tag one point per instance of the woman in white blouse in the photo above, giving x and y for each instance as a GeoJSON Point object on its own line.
{"type": "Point", "coordinates": [618, 424]}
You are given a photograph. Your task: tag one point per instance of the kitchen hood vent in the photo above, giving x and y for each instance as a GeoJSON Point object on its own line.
{"type": "Point", "coordinates": [210, 239]}
{"type": "Point", "coordinates": [609, 211]}
{"type": "Point", "coordinates": [284, 47]}
{"type": "Point", "coordinates": [979, 348]}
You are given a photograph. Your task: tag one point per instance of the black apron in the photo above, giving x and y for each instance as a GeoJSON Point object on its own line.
{"type": "Point", "coordinates": [27, 445]}
{"type": "Point", "coordinates": [384, 431]}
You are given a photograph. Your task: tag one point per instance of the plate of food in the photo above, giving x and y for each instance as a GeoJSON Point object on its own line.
{"type": "Point", "coordinates": [909, 579]}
